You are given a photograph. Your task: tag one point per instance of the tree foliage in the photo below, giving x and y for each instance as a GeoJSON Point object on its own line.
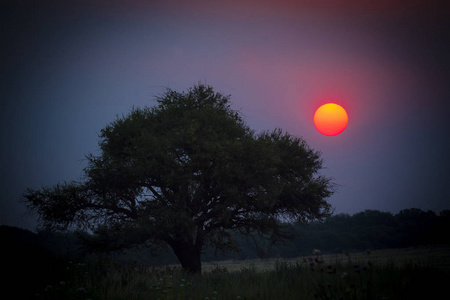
{"type": "Point", "coordinates": [370, 229]}
{"type": "Point", "coordinates": [184, 173]}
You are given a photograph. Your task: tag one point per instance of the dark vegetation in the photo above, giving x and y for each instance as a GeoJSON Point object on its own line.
{"type": "Point", "coordinates": [39, 259]}
{"type": "Point", "coordinates": [188, 174]}
{"type": "Point", "coordinates": [370, 229]}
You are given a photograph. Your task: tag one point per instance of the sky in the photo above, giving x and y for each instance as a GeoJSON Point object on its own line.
{"type": "Point", "coordinates": [68, 68]}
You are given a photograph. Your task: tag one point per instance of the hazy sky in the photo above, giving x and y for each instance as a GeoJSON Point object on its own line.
{"type": "Point", "coordinates": [68, 69]}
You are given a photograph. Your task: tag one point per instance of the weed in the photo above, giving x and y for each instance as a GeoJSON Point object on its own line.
{"type": "Point", "coordinates": [314, 277]}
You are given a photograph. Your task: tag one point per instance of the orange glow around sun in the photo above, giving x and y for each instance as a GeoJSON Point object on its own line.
{"type": "Point", "coordinates": [330, 119]}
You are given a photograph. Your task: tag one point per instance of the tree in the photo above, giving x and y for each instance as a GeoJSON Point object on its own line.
{"type": "Point", "coordinates": [185, 173]}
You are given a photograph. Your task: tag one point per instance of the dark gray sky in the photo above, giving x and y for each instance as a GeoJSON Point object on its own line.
{"type": "Point", "coordinates": [68, 69]}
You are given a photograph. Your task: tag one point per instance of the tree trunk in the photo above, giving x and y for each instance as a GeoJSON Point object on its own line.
{"type": "Point", "coordinates": [189, 256]}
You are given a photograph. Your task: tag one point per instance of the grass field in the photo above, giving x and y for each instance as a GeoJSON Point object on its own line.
{"type": "Point", "coordinates": [412, 273]}
{"type": "Point", "coordinates": [437, 256]}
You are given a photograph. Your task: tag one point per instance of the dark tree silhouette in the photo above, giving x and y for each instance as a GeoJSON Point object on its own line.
{"type": "Point", "coordinates": [184, 173]}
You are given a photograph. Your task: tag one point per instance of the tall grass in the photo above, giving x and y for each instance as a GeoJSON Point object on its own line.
{"type": "Point", "coordinates": [307, 278]}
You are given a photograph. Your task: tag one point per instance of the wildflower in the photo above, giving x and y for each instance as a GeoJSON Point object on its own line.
{"type": "Point", "coordinates": [316, 252]}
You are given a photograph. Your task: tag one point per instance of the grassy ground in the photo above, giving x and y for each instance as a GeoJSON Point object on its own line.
{"type": "Point", "coordinates": [415, 273]}
{"type": "Point", "coordinates": [431, 256]}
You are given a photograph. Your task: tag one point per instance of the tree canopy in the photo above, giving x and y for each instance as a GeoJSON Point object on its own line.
{"type": "Point", "coordinates": [185, 172]}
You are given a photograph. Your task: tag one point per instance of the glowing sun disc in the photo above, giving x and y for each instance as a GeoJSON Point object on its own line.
{"type": "Point", "coordinates": [330, 119]}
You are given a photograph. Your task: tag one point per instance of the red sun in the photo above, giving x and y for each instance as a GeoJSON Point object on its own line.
{"type": "Point", "coordinates": [330, 119]}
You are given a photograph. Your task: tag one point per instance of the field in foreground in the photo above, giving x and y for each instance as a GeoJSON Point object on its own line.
{"type": "Point", "coordinates": [412, 273]}
{"type": "Point", "coordinates": [430, 256]}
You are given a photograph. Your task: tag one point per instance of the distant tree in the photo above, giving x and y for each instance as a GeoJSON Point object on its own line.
{"type": "Point", "coordinates": [185, 172]}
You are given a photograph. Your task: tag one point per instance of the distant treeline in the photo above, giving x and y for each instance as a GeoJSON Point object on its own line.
{"type": "Point", "coordinates": [370, 229]}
